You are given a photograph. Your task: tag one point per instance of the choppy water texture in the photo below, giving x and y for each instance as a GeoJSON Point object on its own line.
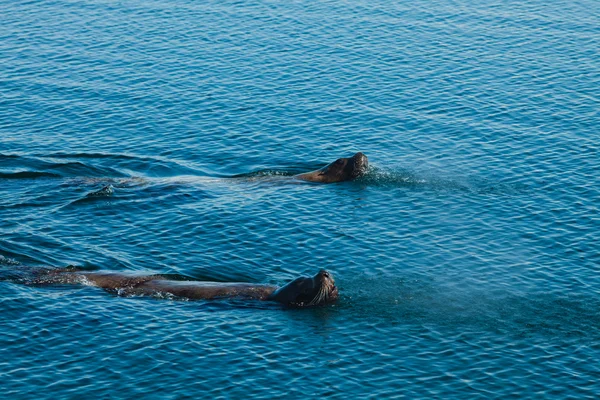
{"type": "Point", "coordinates": [467, 259]}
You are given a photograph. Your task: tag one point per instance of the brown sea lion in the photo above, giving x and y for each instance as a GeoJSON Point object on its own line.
{"type": "Point", "coordinates": [301, 292]}
{"type": "Point", "coordinates": [342, 169]}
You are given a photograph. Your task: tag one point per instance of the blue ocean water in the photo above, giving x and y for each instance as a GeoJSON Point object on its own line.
{"type": "Point", "coordinates": [468, 257]}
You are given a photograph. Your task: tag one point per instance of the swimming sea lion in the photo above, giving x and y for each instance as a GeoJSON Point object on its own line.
{"type": "Point", "coordinates": [301, 292]}
{"type": "Point", "coordinates": [342, 169]}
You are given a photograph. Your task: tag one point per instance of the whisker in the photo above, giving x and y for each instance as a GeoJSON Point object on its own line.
{"type": "Point", "coordinates": [318, 297]}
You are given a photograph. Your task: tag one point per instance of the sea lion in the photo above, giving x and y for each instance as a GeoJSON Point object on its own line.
{"type": "Point", "coordinates": [301, 292]}
{"type": "Point", "coordinates": [342, 169]}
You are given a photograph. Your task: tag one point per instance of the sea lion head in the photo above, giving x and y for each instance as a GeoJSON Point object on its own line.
{"type": "Point", "coordinates": [345, 169]}
{"type": "Point", "coordinates": [307, 291]}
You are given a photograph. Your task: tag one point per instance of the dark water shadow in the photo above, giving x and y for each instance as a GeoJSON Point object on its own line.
{"type": "Point", "coordinates": [28, 175]}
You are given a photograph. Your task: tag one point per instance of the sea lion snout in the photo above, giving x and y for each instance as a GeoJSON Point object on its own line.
{"type": "Point", "coordinates": [325, 280]}
{"type": "Point", "coordinates": [361, 163]}
{"type": "Point", "coordinates": [324, 273]}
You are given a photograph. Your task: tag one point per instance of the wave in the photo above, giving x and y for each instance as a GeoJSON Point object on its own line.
{"type": "Point", "coordinates": [8, 261]}
{"type": "Point", "coordinates": [89, 165]}
{"type": "Point", "coordinates": [28, 175]}
{"type": "Point", "coordinates": [106, 191]}
{"type": "Point", "coordinates": [420, 300]}
{"type": "Point", "coordinates": [98, 156]}
{"type": "Point", "coordinates": [279, 171]}
{"type": "Point", "coordinates": [436, 181]}
{"type": "Point", "coordinates": [29, 167]}
{"type": "Point", "coordinates": [399, 178]}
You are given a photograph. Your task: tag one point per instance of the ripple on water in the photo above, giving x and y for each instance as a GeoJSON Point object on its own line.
{"type": "Point", "coordinates": [467, 258]}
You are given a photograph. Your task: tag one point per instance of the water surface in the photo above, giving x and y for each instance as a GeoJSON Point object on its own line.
{"type": "Point", "coordinates": [467, 259]}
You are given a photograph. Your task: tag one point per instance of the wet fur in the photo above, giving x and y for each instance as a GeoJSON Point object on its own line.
{"type": "Point", "coordinates": [301, 292]}
{"type": "Point", "coordinates": [342, 169]}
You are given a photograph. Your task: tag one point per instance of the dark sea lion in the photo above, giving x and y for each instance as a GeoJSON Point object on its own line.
{"type": "Point", "coordinates": [301, 292]}
{"type": "Point", "coordinates": [342, 169]}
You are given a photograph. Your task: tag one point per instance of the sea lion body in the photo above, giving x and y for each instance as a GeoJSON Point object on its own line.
{"type": "Point", "coordinates": [199, 290]}
{"type": "Point", "coordinates": [301, 292]}
{"type": "Point", "coordinates": [342, 169]}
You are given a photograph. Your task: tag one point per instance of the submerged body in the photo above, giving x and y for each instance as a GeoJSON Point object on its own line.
{"type": "Point", "coordinates": [342, 169]}
{"type": "Point", "coordinates": [301, 292]}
